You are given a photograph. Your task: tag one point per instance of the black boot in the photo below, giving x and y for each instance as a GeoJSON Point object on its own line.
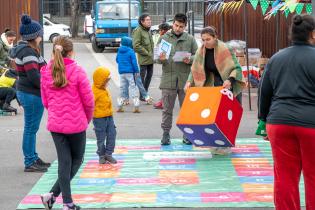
{"type": "Point", "coordinates": [7, 107]}
{"type": "Point", "coordinates": [166, 139]}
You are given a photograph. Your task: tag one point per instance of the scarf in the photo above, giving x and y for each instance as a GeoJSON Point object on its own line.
{"type": "Point", "coordinates": [5, 41]}
{"type": "Point", "coordinates": [226, 63]}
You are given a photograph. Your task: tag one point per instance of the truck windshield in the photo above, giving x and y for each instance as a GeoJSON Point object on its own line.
{"type": "Point", "coordinates": [117, 11]}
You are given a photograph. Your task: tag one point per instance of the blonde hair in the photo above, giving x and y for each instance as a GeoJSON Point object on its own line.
{"type": "Point", "coordinates": [61, 49]}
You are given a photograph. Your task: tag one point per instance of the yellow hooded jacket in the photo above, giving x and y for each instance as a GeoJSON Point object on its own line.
{"type": "Point", "coordinates": [103, 101]}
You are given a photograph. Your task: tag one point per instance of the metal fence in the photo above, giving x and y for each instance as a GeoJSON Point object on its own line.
{"type": "Point", "coordinates": [156, 9]}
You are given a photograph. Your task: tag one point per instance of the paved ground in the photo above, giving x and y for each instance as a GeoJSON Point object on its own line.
{"type": "Point", "coordinates": [15, 184]}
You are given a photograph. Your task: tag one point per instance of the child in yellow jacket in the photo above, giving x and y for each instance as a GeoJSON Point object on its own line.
{"type": "Point", "coordinates": [103, 121]}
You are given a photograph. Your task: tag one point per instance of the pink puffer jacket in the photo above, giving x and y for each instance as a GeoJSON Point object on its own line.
{"type": "Point", "coordinates": [70, 109]}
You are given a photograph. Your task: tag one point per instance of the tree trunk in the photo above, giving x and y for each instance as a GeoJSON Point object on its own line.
{"type": "Point", "coordinates": [75, 8]}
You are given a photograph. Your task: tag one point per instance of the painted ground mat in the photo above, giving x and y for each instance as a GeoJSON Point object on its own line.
{"type": "Point", "coordinates": [150, 175]}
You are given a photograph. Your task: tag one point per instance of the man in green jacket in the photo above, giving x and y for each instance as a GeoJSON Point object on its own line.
{"type": "Point", "coordinates": [143, 46]}
{"type": "Point", "coordinates": [175, 74]}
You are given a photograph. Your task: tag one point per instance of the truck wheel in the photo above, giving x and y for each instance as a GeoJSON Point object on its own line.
{"type": "Point", "coordinates": [96, 48]}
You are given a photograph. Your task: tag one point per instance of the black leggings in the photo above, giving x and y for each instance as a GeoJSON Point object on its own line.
{"type": "Point", "coordinates": [70, 151]}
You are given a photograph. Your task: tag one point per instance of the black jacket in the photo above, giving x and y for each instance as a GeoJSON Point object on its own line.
{"type": "Point", "coordinates": [287, 88]}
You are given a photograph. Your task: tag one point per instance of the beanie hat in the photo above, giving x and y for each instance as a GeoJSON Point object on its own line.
{"type": "Point", "coordinates": [30, 29]}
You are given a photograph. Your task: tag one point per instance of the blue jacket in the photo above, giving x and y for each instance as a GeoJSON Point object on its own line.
{"type": "Point", "coordinates": [126, 57]}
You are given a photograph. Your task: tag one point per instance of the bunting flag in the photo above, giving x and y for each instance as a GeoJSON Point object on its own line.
{"type": "Point", "coordinates": [264, 4]}
{"type": "Point", "coordinates": [309, 8]}
{"type": "Point", "coordinates": [286, 13]}
{"type": "Point", "coordinates": [291, 4]}
{"type": "Point", "coordinates": [254, 3]}
{"type": "Point", "coordinates": [299, 8]}
{"type": "Point", "coordinates": [232, 7]}
{"type": "Point", "coordinates": [287, 6]}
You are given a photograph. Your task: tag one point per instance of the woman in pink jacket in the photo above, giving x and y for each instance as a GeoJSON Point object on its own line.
{"type": "Point", "coordinates": [67, 95]}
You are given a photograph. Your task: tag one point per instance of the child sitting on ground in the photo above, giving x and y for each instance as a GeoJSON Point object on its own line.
{"type": "Point", "coordinates": [103, 120]}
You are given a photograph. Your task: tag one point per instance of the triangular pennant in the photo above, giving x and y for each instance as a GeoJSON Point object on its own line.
{"type": "Point", "coordinates": [309, 8]}
{"type": "Point", "coordinates": [286, 13]}
{"type": "Point", "coordinates": [254, 3]}
{"type": "Point", "coordinates": [292, 7]}
{"type": "Point", "coordinates": [264, 4]}
{"type": "Point", "coordinates": [299, 8]}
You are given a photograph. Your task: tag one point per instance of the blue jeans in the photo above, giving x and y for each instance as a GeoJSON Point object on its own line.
{"type": "Point", "coordinates": [128, 81]}
{"type": "Point", "coordinates": [33, 112]}
{"type": "Point", "coordinates": [105, 129]}
{"type": "Point", "coordinates": [140, 86]}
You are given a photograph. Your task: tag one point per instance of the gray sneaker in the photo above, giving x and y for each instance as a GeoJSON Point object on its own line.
{"type": "Point", "coordinates": [166, 139]}
{"type": "Point", "coordinates": [102, 160]}
{"type": "Point", "coordinates": [110, 159]}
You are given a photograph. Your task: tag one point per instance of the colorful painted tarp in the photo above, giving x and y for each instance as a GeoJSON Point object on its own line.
{"type": "Point", "coordinates": [150, 175]}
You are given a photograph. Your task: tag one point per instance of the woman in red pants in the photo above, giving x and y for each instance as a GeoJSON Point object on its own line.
{"type": "Point", "coordinates": [287, 103]}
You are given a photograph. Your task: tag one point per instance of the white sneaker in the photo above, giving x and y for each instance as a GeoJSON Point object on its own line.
{"type": "Point", "coordinates": [48, 200]}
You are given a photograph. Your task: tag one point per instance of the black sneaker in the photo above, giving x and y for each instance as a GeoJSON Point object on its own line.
{"type": "Point", "coordinates": [73, 207]}
{"type": "Point", "coordinates": [42, 163]}
{"type": "Point", "coordinates": [8, 108]}
{"type": "Point", "coordinates": [35, 167]}
{"type": "Point", "coordinates": [48, 200]}
{"type": "Point", "coordinates": [166, 139]}
{"type": "Point", "coordinates": [102, 159]}
{"type": "Point", "coordinates": [110, 159]}
{"type": "Point", "coordinates": [186, 141]}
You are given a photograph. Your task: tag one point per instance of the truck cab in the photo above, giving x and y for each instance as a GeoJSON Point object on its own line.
{"type": "Point", "coordinates": [110, 22]}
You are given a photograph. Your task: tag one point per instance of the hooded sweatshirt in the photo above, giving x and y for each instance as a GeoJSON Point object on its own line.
{"type": "Point", "coordinates": [103, 101]}
{"type": "Point", "coordinates": [70, 108]}
{"type": "Point", "coordinates": [126, 57]}
{"type": "Point", "coordinates": [28, 64]}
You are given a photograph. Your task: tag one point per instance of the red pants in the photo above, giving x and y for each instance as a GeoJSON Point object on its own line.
{"type": "Point", "coordinates": [293, 151]}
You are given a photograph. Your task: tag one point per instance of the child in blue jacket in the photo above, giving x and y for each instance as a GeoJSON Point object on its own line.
{"type": "Point", "coordinates": [128, 68]}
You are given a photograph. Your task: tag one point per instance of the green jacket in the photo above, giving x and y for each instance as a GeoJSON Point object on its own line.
{"type": "Point", "coordinates": [4, 56]}
{"type": "Point", "coordinates": [175, 74]}
{"type": "Point", "coordinates": [143, 45]}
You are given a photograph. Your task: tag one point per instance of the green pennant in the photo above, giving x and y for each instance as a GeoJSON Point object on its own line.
{"type": "Point", "coordinates": [309, 8]}
{"type": "Point", "coordinates": [286, 13]}
{"type": "Point", "coordinates": [264, 4]}
{"type": "Point", "coordinates": [299, 8]}
{"type": "Point", "coordinates": [292, 7]}
{"type": "Point", "coordinates": [254, 3]}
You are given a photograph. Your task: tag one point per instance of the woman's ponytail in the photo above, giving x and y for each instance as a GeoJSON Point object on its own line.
{"type": "Point", "coordinates": [59, 72]}
{"type": "Point", "coordinates": [61, 49]}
